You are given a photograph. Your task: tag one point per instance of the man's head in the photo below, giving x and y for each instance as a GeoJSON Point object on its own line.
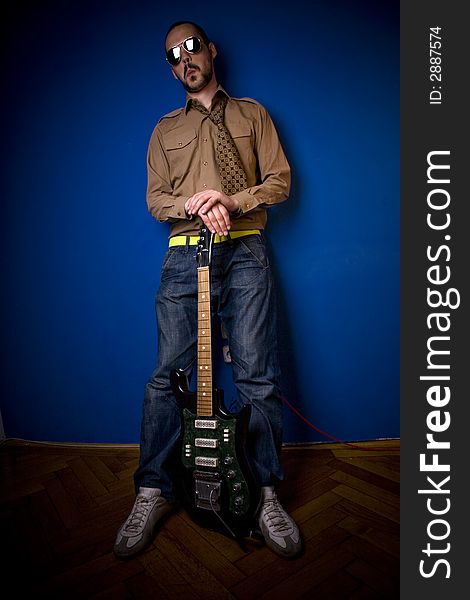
{"type": "Point", "coordinates": [191, 55]}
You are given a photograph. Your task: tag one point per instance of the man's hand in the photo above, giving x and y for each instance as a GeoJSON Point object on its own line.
{"type": "Point", "coordinates": [214, 208]}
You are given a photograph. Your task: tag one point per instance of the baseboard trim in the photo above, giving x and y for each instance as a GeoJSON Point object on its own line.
{"type": "Point", "coordinates": [287, 446]}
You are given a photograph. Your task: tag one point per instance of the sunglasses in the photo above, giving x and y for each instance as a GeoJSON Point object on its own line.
{"type": "Point", "coordinates": [192, 45]}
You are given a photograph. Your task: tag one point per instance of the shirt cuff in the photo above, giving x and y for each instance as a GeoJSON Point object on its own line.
{"type": "Point", "coordinates": [177, 210]}
{"type": "Point", "coordinates": [246, 202]}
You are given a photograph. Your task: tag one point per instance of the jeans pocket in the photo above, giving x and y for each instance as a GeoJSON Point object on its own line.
{"type": "Point", "coordinates": [255, 245]}
{"type": "Point", "coordinates": [179, 272]}
{"type": "Point", "coordinates": [167, 258]}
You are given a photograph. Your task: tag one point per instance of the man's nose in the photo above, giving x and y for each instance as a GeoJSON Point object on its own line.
{"type": "Point", "coordinates": [185, 55]}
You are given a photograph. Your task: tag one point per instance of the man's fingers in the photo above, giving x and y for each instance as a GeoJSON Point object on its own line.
{"type": "Point", "coordinates": [217, 219]}
{"type": "Point", "coordinates": [200, 199]}
{"type": "Point", "coordinates": [212, 212]}
{"type": "Point", "coordinates": [205, 205]}
{"type": "Point", "coordinates": [223, 219]}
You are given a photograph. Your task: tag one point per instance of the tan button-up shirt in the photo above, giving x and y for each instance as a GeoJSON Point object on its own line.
{"type": "Point", "coordinates": [181, 161]}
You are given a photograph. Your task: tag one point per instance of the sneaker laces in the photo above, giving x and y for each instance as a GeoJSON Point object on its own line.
{"type": "Point", "coordinates": [277, 518]}
{"type": "Point", "coordinates": [139, 514]}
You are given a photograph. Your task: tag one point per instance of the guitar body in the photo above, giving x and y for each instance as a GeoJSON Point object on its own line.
{"type": "Point", "coordinates": [217, 485]}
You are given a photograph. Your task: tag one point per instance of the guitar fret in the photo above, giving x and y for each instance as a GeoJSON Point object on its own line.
{"type": "Point", "coordinates": [204, 351]}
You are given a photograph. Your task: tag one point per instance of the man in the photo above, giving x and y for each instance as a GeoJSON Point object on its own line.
{"type": "Point", "coordinates": [218, 161]}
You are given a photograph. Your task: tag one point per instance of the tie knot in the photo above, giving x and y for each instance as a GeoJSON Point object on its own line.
{"type": "Point", "coordinates": [216, 115]}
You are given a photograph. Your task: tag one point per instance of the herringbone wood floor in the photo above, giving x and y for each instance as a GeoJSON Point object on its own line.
{"type": "Point", "coordinates": [62, 505]}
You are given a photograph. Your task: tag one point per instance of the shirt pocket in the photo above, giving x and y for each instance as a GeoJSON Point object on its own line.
{"type": "Point", "coordinates": [242, 136]}
{"type": "Point", "coordinates": [180, 148]}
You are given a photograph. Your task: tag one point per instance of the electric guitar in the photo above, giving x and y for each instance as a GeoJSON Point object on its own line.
{"type": "Point", "coordinates": [217, 485]}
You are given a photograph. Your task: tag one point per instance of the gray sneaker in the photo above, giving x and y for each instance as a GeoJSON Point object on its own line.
{"type": "Point", "coordinates": [280, 532]}
{"type": "Point", "coordinates": [137, 532]}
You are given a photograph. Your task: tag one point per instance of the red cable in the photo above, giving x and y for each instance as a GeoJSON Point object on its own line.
{"type": "Point", "coordinates": [294, 410]}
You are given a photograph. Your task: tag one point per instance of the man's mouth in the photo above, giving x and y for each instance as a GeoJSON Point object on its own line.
{"type": "Point", "coordinates": [190, 70]}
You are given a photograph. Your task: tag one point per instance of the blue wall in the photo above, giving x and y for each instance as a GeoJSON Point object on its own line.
{"type": "Point", "coordinates": [81, 256]}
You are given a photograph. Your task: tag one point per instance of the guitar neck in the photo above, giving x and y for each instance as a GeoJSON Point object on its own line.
{"type": "Point", "coordinates": [204, 347]}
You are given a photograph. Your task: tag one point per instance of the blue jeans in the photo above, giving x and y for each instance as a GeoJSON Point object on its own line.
{"type": "Point", "coordinates": [242, 296]}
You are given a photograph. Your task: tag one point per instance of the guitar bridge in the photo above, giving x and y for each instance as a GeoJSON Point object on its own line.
{"type": "Point", "coordinates": [207, 490]}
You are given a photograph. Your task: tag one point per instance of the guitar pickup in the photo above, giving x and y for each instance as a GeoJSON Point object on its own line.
{"type": "Point", "coordinates": [206, 443]}
{"type": "Point", "coordinates": [205, 424]}
{"type": "Point", "coordinates": [206, 461]}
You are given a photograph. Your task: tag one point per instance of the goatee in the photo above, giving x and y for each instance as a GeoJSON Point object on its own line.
{"type": "Point", "coordinates": [197, 86]}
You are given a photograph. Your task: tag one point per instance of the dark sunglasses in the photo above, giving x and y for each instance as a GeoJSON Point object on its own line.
{"type": "Point", "coordinates": [192, 44]}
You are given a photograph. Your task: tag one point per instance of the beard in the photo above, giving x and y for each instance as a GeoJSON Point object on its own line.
{"type": "Point", "coordinates": [200, 79]}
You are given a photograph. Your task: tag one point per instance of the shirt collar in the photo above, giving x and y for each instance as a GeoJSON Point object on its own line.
{"type": "Point", "coordinates": [220, 90]}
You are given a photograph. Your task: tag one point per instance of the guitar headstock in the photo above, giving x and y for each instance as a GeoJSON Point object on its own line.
{"type": "Point", "coordinates": [204, 247]}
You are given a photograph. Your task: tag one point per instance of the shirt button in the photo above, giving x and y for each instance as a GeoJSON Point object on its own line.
{"type": "Point", "coordinates": [204, 185]}
{"type": "Point", "coordinates": [204, 140]}
{"type": "Point", "coordinates": [248, 205]}
{"type": "Point", "coordinates": [205, 163]}
{"type": "Point", "coordinates": [180, 143]}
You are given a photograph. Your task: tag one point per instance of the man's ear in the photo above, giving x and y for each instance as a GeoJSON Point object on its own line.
{"type": "Point", "coordinates": [212, 49]}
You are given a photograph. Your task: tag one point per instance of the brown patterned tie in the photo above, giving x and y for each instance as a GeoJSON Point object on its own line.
{"type": "Point", "coordinates": [232, 174]}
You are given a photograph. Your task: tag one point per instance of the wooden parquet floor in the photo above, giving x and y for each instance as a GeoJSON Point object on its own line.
{"type": "Point", "coordinates": [61, 507]}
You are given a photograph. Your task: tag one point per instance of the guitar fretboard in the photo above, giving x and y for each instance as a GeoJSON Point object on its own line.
{"type": "Point", "coordinates": [204, 352]}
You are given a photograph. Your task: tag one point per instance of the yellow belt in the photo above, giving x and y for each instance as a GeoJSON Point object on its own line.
{"type": "Point", "coordinates": [182, 240]}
